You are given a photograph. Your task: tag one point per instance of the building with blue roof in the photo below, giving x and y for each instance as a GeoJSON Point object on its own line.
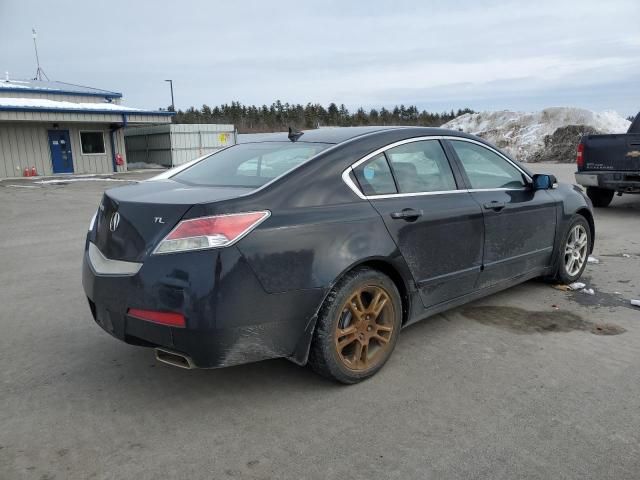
{"type": "Point", "coordinates": [57, 127]}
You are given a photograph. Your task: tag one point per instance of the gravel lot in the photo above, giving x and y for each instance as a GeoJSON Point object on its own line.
{"type": "Point", "coordinates": [473, 393]}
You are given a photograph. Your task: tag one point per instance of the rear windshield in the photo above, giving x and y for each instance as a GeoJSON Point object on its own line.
{"type": "Point", "coordinates": [249, 164]}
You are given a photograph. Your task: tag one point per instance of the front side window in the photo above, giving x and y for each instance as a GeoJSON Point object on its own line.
{"type": "Point", "coordinates": [92, 143]}
{"type": "Point", "coordinates": [374, 176]}
{"type": "Point", "coordinates": [249, 164]}
{"type": "Point", "coordinates": [421, 167]}
{"type": "Point", "coordinates": [487, 169]}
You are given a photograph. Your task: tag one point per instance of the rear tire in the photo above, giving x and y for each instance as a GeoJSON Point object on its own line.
{"type": "Point", "coordinates": [574, 251]}
{"type": "Point", "coordinates": [357, 327]}
{"type": "Point", "coordinates": [600, 197]}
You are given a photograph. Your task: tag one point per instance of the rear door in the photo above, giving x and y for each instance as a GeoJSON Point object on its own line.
{"type": "Point", "coordinates": [437, 226]}
{"type": "Point", "coordinates": [519, 222]}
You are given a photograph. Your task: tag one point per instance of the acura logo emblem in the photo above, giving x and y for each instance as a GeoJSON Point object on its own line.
{"type": "Point", "coordinates": [114, 222]}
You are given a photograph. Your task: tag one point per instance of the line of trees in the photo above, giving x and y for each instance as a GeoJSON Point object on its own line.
{"type": "Point", "coordinates": [279, 116]}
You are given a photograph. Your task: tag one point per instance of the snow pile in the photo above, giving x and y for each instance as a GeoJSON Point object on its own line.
{"type": "Point", "coordinates": [526, 135]}
{"type": "Point", "coordinates": [144, 166]}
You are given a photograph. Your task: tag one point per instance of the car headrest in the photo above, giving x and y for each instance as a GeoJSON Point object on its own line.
{"type": "Point", "coordinates": [406, 169]}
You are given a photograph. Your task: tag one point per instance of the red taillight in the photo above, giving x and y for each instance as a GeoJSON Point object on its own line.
{"type": "Point", "coordinates": [210, 232]}
{"type": "Point", "coordinates": [163, 318]}
{"type": "Point", "coordinates": [580, 155]}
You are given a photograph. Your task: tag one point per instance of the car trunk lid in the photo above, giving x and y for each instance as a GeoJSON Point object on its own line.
{"type": "Point", "coordinates": [132, 220]}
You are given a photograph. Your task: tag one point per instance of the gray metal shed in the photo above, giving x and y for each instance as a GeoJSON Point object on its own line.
{"type": "Point", "coordinates": [175, 144]}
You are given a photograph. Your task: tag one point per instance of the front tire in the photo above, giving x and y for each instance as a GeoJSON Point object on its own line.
{"type": "Point", "coordinates": [600, 197]}
{"type": "Point", "coordinates": [357, 327]}
{"type": "Point", "coordinates": [574, 251]}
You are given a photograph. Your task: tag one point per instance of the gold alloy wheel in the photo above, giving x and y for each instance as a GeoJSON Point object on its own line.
{"type": "Point", "coordinates": [365, 328]}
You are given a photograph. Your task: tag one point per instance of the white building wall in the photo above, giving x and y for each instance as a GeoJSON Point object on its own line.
{"type": "Point", "coordinates": [96, 163]}
{"type": "Point", "coordinates": [25, 145]}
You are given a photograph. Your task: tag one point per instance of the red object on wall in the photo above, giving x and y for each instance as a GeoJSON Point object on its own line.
{"type": "Point", "coordinates": [26, 172]}
{"type": "Point", "coordinates": [119, 159]}
{"type": "Point", "coordinates": [34, 172]}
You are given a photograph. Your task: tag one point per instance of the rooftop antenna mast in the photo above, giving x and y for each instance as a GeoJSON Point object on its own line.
{"type": "Point", "coordinates": [39, 72]}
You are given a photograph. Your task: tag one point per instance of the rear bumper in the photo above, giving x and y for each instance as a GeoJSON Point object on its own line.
{"type": "Point", "coordinates": [620, 181]}
{"type": "Point", "coordinates": [230, 319]}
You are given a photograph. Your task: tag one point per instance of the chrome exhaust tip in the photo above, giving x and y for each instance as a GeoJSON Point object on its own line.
{"type": "Point", "coordinates": [175, 359]}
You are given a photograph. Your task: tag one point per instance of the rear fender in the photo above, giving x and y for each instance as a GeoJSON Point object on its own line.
{"type": "Point", "coordinates": [312, 248]}
{"type": "Point", "coordinates": [396, 269]}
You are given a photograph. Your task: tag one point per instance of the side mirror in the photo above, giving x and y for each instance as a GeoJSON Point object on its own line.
{"type": "Point", "coordinates": [544, 182]}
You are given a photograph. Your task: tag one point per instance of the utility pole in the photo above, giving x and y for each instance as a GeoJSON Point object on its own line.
{"type": "Point", "coordinates": [173, 105]}
{"type": "Point", "coordinates": [39, 72]}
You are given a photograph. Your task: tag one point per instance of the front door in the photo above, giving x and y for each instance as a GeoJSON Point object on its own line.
{"type": "Point", "coordinates": [519, 222]}
{"type": "Point", "coordinates": [437, 227]}
{"type": "Point", "coordinates": [60, 146]}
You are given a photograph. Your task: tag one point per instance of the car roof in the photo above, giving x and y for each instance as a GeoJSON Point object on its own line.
{"type": "Point", "coordinates": [342, 134]}
{"type": "Point", "coordinates": [337, 135]}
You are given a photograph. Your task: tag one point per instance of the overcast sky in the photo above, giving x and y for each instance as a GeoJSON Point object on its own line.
{"type": "Point", "coordinates": [486, 55]}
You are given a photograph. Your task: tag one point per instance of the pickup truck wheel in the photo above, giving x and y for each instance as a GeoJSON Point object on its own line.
{"type": "Point", "coordinates": [600, 196]}
{"type": "Point", "coordinates": [574, 251]}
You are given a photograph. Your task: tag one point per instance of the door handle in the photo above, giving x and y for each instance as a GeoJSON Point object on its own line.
{"type": "Point", "coordinates": [495, 206]}
{"type": "Point", "coordinates": [408, 214]}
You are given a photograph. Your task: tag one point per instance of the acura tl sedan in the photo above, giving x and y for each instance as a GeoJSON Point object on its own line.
{"type": "Point", "coordinates": [320, 246]}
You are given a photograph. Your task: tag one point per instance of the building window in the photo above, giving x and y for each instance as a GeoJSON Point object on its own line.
{"type": "Point", "coordinates": [92, 143]}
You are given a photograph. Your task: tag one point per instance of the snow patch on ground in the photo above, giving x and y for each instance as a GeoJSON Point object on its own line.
{"type": "Point", "coordinates": [86, 179]}
{"type": "Point", "coordinates": [144, 166]}
{"type": "Point", "coordinates": [522, 134]}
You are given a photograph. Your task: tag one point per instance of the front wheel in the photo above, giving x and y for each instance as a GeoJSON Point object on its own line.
{"type": "Point", "coordinates": [574, 251]}
{"type": "Point", "coordinates": [600, 197]}
{"type": "Point", "coordinates": [357, 327]}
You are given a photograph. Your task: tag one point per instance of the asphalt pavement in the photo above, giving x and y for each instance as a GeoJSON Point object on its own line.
{"type": "Point", "coordinates": [533, 382]}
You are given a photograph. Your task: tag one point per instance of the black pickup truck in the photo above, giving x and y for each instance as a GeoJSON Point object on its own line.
{"type": "Point", "coordinates": [610, 163]}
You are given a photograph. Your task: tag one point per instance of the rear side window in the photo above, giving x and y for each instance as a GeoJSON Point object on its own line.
{"type": "Point", "coordinates": [374, 176]}
{"type": "Point", "coordinates": [485, 168]}
{"type": "Point", "coordinates": [421, 167]}
{"type": "Point", "coordinates": [249, 164]}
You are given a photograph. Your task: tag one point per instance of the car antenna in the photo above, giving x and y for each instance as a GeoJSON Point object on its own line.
{"type": "Point", "coordinates": [294, 134]}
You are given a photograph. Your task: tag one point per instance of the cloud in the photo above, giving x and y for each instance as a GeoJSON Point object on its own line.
{"type": "Point", "coordinates": [499, 54]}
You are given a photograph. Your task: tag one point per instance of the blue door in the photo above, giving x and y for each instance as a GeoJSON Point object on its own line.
{"type": "Point", "coordinates": [60, 146]}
